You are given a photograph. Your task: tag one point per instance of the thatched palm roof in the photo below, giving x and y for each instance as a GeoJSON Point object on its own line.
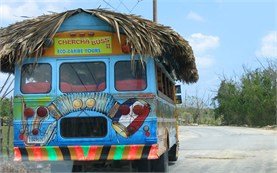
{"type": "Point", "coordinates": [27, 39]}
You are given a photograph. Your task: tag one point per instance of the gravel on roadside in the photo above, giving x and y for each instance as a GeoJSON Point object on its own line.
{"type": "Point", "coordinates": [7, 165]}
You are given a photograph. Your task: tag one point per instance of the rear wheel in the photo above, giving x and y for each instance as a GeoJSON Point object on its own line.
{"type": "Point", "coordinates": [161, 164]}
{"type": "Point", "coordinates": [143, 165]}
{"type": "Point", "coordinates": [77, 167]}
{"type": "Point", "coordinates": [173, 153]}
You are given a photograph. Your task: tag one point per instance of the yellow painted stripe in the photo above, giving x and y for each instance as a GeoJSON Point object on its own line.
{"type": "Point", "coordinates": [31, 156]}
{"type": "Point", "coordinates": [111, 152]}
{"type": "Point", "coordinates": [73, 155]}
{"type": "Point", "coordinates": [44, 154]}
{"type": "Point", "coordinates": [126, 152]}
{"type": "Point", "coordinates": [139, 152]}
{"type": "Point", "coordinates": [59, 153]}
{"type": "Point", "coordinates": [98, 152]}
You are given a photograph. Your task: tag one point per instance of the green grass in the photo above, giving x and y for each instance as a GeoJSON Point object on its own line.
{"type": "Point", "coordinates": [5, 138]}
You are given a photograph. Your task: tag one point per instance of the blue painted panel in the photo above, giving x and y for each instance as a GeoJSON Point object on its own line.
{"type": "Point", "coordinates": [84, 21]}
{"type": "Point", "coordinates": [49, 132]}
{"type": "Point", "coordinates": [139, 137]}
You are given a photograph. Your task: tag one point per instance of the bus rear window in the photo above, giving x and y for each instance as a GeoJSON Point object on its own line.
{"type": "Point", "coordinates": [36, 79]}
{"type": "Point", "coordinates": [83, 127]}
{"type": "Point", "coordinates": [128, 78]}
{"type": "Point", "coordinates": [82, 77]}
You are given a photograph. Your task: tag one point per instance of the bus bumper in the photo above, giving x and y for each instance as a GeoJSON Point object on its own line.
{"type": "Point", "coordinates": [86, 153]}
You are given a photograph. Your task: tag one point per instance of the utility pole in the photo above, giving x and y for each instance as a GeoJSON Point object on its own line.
{"type": "Point", "coordinates": [276, 100]}
{"type": "Point", "coordinates": [155, 11]}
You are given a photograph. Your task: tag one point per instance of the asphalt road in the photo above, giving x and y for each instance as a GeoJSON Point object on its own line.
{"type": "Point", "coordinates": [205, 149]}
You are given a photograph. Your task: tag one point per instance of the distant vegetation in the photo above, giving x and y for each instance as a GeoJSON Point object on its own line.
{"type": "Point", "coordinates": [196, 110]}
{"type": "Point", "coordinates": [6, 116]}
{"type": "Point", "coordinates": [5, 109]}
{"type": "Point", "coordinates": [250, 100]}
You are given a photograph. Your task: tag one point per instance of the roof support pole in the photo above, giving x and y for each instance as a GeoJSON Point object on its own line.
{"type": "Point", "coordinates": [155, 11]}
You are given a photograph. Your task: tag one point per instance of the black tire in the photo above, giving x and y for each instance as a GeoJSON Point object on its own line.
{"type": "Point", "coordinates": [173, 153]}
{"type": "Point", "coordinates": [161, 164]}
{"type": "Point", "coordinates": [143, 165]}
{"type": "Point", "coordinates": [77, 168]}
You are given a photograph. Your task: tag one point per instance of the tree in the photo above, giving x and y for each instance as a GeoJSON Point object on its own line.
{"type": "Point", "coordinates": [5, 107]}
{"type": "Point", "coordinates": [259, 93]}
{"type": "Point", "coordinates": [229, 102]}
{"type": "Point", "coordinates": [250, 101]}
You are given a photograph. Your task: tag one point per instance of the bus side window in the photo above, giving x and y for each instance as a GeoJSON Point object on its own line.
{"type": "Point", "coordinates": [165, 85]}
{"type": "Point", "coordinates": [128, 79]}
{"type": "Point", "coordinates": [36, 79]}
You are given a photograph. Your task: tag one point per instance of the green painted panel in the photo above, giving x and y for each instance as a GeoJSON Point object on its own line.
{"type": "Point", "coordinates": [85, 150]}
{"type": "Point", "coordinates": [52, 155]}
{"type": "Point", "coordinates": [119, 152]}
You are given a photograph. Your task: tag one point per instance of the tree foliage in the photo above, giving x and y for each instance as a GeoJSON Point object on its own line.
{"type": "Point", "coordinates": [251, 100]}
{"type": "Point", "coordinates": [196, 110]}
{"type": "Point", "coordinates": [5, 107]}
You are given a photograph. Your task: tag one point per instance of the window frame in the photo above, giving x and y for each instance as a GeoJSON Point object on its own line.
{"type": "Point", "coordinates": [61, 132]}
{"type": "Point", "coordinates": [51, 77]}
{"type": "Point", "coordinates": [165, 83]}
{"type": "Point", "coordinates": [98, 61]}
{"type": "Point", "coordinates": [146, 77]}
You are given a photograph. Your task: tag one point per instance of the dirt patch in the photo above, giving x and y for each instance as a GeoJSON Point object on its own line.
{"type": "Point", "coordinates": [7, 165]}
{"type": "Point", "coordinates": [273, 127]}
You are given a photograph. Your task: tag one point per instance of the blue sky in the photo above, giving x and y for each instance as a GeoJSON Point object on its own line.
{"type": "Point", "coordinates": [224, 34]}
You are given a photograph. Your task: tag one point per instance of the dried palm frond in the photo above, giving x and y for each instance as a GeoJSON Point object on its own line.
{"type": "Point", "coordinates": [146, 38]}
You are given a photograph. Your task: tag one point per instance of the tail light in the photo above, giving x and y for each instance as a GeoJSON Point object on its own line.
{"type": "Point", "coordinates": [147, 134]}
{"type": "Point", "coordinates": [146, 130]}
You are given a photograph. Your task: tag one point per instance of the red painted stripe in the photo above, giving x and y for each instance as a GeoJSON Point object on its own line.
{"type": "Point", "coordinates": [17, 154]}
{"type": "Point", "coordinates": [79, 153]}
{"type": "Point", "coordinates": [133, 154]}
{"type": "Point", "coordinates": [37, 153]}
{"type": "Point", "coordinates": [92, 153]}
{"type": "Point", "coordinates": [153, 154]}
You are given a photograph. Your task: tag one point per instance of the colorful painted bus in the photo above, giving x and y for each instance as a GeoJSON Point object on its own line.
{"type": "Point", "coordinates": [87, 92]}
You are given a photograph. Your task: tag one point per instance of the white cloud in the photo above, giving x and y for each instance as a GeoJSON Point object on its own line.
{"type": "Point", "coordinates": [200, 43]}
{"type": "Point", "coordinates": [202, 46]}
{"type": "Point", "coordinates": [5, 12]}
{"type": "Point", "coordinates": [268, 47]}
{"type": "Point", "coordinates": [205, 61]}
{"type": "Point", "coordinates": [194, 16]}
{"type": "Point", "coordinates": [13, 10]}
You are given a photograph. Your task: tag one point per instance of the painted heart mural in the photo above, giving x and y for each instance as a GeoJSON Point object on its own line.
{"type": "Point", "coordinates": [130, 116]}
